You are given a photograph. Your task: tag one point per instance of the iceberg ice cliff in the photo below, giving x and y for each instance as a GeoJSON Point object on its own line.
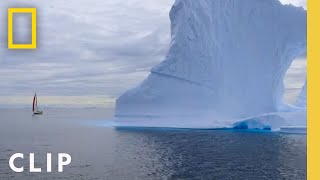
{"type": "Point", "coordinates": [226, 63]}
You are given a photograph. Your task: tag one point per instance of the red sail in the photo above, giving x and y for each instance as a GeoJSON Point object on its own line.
{"type": "Point", "coordinates": [36, 106]}
{"type": "Point", "coordinates": [34, 99]}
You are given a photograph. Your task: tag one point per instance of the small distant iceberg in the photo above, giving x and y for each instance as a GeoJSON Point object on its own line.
{"type": "Point", "coordinates": [294, 129]}
{"type": "Point", "coordinates": [224, 69]}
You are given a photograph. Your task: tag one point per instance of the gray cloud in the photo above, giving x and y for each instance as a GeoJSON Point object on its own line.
{"type": "Point", "coordinates": [86, 47]}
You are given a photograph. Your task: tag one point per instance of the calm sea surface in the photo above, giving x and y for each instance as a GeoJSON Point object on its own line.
{"type": "Point", "coordinates": [101, 152]}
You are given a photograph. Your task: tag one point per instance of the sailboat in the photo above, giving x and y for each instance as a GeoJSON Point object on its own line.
{"type": "Point", "coordinates": [35, 106]}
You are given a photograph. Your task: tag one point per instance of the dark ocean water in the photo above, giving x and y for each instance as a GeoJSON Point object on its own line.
{"type": "Point", "coordinates": [101, 152]}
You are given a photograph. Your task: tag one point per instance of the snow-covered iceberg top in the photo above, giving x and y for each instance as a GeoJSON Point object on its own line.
{"type": "Point", "coordinates": [226, 63]}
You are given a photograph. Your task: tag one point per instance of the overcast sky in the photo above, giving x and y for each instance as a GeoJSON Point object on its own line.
{"type": "Point", "coordinates": [86, 48]}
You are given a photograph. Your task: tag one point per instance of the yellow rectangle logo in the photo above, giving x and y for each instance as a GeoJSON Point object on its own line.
{"type": "Point", "coordinates": [33, 44]}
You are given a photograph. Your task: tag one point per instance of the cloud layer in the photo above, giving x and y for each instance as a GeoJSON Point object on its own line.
{"type": "Point", "coordinates": [86, 48]}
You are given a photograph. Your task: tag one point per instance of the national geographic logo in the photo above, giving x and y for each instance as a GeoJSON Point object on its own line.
{"type": "Point", "coordinates": [33, 12]}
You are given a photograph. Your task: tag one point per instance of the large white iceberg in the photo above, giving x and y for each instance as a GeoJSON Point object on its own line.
{"type": "Point", "coordinates": [226, 63]}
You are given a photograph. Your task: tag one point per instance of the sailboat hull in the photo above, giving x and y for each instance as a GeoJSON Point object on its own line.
{"type": "Point", "coordinates": [38, 113]}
